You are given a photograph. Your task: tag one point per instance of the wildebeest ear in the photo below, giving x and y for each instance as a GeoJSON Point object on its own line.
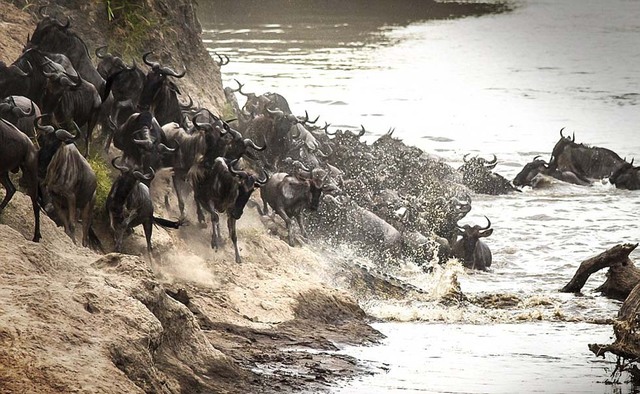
{"type": "Point", "coordinates": [485, 233]}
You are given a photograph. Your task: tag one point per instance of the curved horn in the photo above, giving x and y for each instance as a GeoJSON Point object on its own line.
{"type": "Point", "coordinates": [46, 128]}
{"type": "Point", "coordinates": [66, 25]}
{"type": "Point", "coordinates": [22, 73]}
{"type": "Point", "coordinates": [561, 135]}
{"type": "Point", "coordinates": [64, 135]}
{"type": "Point", "coordinates": [234, 171]}
{"type": "Point", "coordinates": [239, 87]}
{"type": "Point", "coordinates": [276, 112]}
{"type": "Point", "coordinates": [250, 144]}
{"type": "Point", "coordinates": [99, 53]}
{"type": "Point", "coordinates": [119, 167]}
{"type": "Point", "coordinates": [172, 73]}
{"type": "Point", "coordinates": [146, 177]}
{"type": "Point", "coordinates": [41, 11]}
{"type": "Point", "coordinates": [488, 224]}
{"type": "Point", "coordinates": [362, 131]}
{"type": "Point", "coordinates": [326, 129]}
{"type": "Point", "coordinates": [146, 144]}
{"type": "Point", "coordinates": [163, 148]}
{"type": "Point", "coordinates": [186, 106]}
{"type": "Point", "coordinates": [21, 113]}
{"type": "Point", "coordinates": [537, 157]}
{"type": "Point", "coordinates": [492, 163]}
{"type": "Point", "coordinates": [464, 158]}
{"type": "Point", "coordinates": [222, 62]}
{"type": "Point", "coordinates": [148, 62]}
{"type": "Point", "coordinates": [74, 81]}
{"type": "Point", "coordinates": [263, 181]}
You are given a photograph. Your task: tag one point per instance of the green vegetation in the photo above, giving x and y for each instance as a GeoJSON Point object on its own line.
{"type": "Point", "coordinates": [103, 177]}
{"type": "Point", "coordinates": [130, 25]}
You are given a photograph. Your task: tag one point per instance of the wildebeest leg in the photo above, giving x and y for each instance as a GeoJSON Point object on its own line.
{"type": "Point", "coordinates": [70, 218]}
{"type": "Point", "coordinates": [91, 124]}
{"type": "Point", "coordinates": [8, 186]}
{"type": "Point", "coordinates": [87, 213]}
{"type": "Point", "coordinates": [179, 185]}
{"type": "Point", "coordinates": [215, 227]}
{"type": "Point", "coordinates": [148, 230]}
{"type": "Point", "coordinates": [300, 219]}
{"type": "Point", "coordinates": [29, 172]}
{"type": "Point", "coordinates": [231, 225]}
{"type": "Point", "coordinates": [199, 212]}
{"type": "Point", "coordinates": [287, 221]}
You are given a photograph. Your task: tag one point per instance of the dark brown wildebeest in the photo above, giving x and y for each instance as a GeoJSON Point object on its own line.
{"type": "Point", "coordinates": [538, 166]}
{"type": "Point", "coordinates": [17, 152]}
{"type": "Point", "coordinates": [221, 188]}
{"type": "Point", "coordinates": [470, 249]}
{"type": "Point", "coordinates": [289, 194]}
{"type": "Point", "coordinates": [586, 162]}
{"type": "Point", "coordinates": [70, 181]}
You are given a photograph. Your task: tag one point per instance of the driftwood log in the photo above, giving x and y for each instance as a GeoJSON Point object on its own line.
{"type": "Point", "coordinates": [627, 331]}
{"type": "Point", "coordinates": [622, 277]}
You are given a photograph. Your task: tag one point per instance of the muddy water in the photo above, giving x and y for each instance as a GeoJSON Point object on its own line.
{"type": "Point", "coordinates": [498, 84]}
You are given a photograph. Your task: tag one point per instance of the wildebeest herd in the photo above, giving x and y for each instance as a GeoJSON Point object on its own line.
{"type": "Point", "coordinates": [385, 194]}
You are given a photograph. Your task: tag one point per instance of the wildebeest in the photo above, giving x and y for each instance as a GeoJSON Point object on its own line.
{"type": "Point", "coordinates": [123, 82]}
{"type": "Point", "coordinates": [70, 181]}
{"type": "Point", "coordinates": [52, 36]}
{"type": "Point", "coordinates": [477, 175]}
{"type": "Point", "coordinates": [160, 94]}
{"type": "Point", "coordinates": [222, 188]}
{"type": "Point", "coordinates": [142, 140]}
{"type": "Point", "coordinates": [289, 194]}
{"type": "Point", "coordinates": [532, 171]}
{"type": "Point", "coordinates": [586, 162]}
{"type": "Point", "coordinates": [257, 104]}
{"type": "Point", "coordinates": [18, 152]}
{"type": "Point", "coordinates": [277, 130]}
{"type": "Point", "coordinates": [21, 112]}
{"type": "Point", "coordinates": [129, 205]}
{"type": "Point", "coordinates": [626, 177]}
{"type": "Point", "coordinates": [470, 249]}
{"type": "Point", "coordinates": [35, 63]}
{"type": "Point", "coordinates": [72, 101]}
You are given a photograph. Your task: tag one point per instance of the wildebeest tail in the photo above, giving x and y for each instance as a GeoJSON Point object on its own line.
{"type": "Point", "coordinates": [94, 241]}
{"type": "Point", "coordinates": [167, 223]}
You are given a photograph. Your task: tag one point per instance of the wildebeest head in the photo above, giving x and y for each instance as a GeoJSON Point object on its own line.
{"type": "Point", "coordinates": [479, 162]}
{"type": "Point", "coordinates": [626, 177]}
{"type": "Point", "coordinates": [529, 171]}
{"type": "Point", "coordinates": [49, 141]}
{"type": "Point", "coordinates": [155, 81]}
{"type": "Point", "coordinates": [117, 198]}
{"type": "Point", "coordinates": [560, 146]}
{"type": "Point", "coordinates": [247, 184]}
{"type": "Point", "coordinates": [47, 27]}
{"type": "Point", "coordinates": [471, 235]}
{"type": "Point", "coordinates": [316, 180]}
{"type": "Point", "coordinates": [8, 108]}
{"type": "Point", "coordinates": [109, 63]}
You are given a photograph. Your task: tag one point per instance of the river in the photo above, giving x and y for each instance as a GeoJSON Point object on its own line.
{"type": "Point", "coordinates": [502, 84]}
